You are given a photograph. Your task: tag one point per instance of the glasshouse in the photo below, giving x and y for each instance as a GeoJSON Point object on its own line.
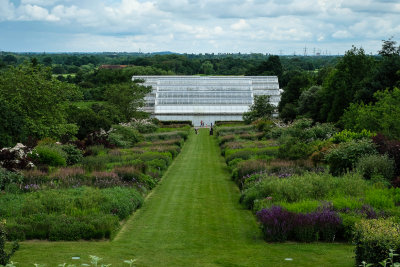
{"type": "Point", "coordinates": [206, 98]}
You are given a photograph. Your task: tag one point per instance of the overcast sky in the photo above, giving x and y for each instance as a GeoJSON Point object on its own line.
{"type": "Point", "coordinates": [198, 26]}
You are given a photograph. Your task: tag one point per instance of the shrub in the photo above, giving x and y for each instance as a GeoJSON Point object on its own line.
{"type": "Point", "coordinates": [374, 238]}
{"type": "Point", "coordinates": [280, 225]}
{"type": "Point", "coordinates": [143, 126]}
{"type": "Point", "coordinates": [389, 147]}
{"type": "Point", "coordinates": [293, 148]}
{"type": "Point", "coordinates": [8, 177]}
{"type": "Point", "coordinates": [276, 223]}
{"type": "Point", "coordinates": [124, 136]}
{"type": "Point", "coordinates": [74, 155]}
{"type": "Point", "coordinates": [348, 135]}
{"type": "Point", "coordinates": [301, 187]}
{"type": "Point", "coordinates": [4, 255]}
{"type": "Point", "coordinates": [149, 156]}
{"type": "Point", "coordinates": [121, 201]}
{"type": "Point", "coordinates": [51, 155]}
{"type": "Point", "coordinates": [343, 157]}
{"type": "Point", "coordinates": [372, 165]}
{"type": "Point", "coordinates": [173, 150]}
{"type": "Point", "coordinates": [226, 138]}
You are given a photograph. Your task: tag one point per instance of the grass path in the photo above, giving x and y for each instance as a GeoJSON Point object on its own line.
{"type": "Point", "coordinates": [191, 219]}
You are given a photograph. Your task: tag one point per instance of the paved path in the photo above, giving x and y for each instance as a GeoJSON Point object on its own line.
{"type": "Point", "coordinates": [193, 218]}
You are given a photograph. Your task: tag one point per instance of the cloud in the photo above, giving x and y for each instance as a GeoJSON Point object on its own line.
{"type": "Point", "coordinates": [206, 25]}
{"type": "Point", "coordinates": [240, 25]}
{"type": "Point", "coordinates": [7, 10]}
{"type": "Point", "coordinates": [341, 35]}
{"type": "Point", "coordinates": [34, 12]}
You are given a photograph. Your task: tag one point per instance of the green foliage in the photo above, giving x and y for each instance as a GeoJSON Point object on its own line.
{"type": "Point", "coordinates": [124, 136]}
{"type": "Point", "coordinates": [376, 165]}
{"type": "Point", "coordinates": [74, 155]}
{"type": "Point", "coordinates": [288, 105]}
{"type": "Point", "coordinates": [382, 116]}
{"type": "Point", "coordinates": [12, 125]}
{"type": "Point", "coordinates": [374, 238]}
{"type": "Point", "coordinates": [8, 177]}
{"type": "Point", "coordinates": [343, 157]}
{"type": "Point", "coordinates": [292, 148]}
{"type": "Point", "coordinates": [344, 84]}
{"type": "Point", "coordinates": [126, 97]}
{"type": "Point", "coordinates": [261, 108]}
{"type": "Point", "coordinates": [87, 120]}
{"type": "Point", "coordinates": [72, 214]}
{"type": "Point", "coordinates": [52, 155]}
{"type": "Point", "coordinates": [38, 100]}
{"type": "Point", "coordinates": [4, 255]}
{"type": "Point", "coordinates": [302, 187]}
{"type": "Point", "coordinates": [347, 135]}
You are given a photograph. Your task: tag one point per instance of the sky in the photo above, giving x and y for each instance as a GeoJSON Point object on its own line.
{"type": "Point", "coordinates": [280, 27]}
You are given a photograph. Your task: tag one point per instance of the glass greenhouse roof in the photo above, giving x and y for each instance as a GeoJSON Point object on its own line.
{"type": "Point", "coordinates": [202, 95]}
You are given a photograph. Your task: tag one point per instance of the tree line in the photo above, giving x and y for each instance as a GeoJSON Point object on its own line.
{"type": "Point", "coordinates": [38, 100]}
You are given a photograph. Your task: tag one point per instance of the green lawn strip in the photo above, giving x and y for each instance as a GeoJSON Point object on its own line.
{"type": "Point", "coordinates": [192, 218]}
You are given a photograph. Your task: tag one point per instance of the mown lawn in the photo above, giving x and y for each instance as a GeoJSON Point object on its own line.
{"type": "Point", "coordinates": [192, 218]}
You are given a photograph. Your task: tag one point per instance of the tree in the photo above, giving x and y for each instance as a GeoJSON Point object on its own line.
{"type": "Point", "coordinates": [344, 83]}
{"type": "Point", "coordinates": [310, 103]}
{"type": "Point", "coordinates": [32, 93]}
{"type": "Point", "coordinates": [382, 116]}
{"type": "Point", "coordinates": [207, 68]}
{"type": "Point", "coordinates": [126, 97]}
{"type": "Point", "coordinates": [272, 66]}
{"type": "Point", "coordinates": [10, 59]}
{"type": "Point", "coordinates": [12, 125]}
{"type": "Point", "coordinates": [289, 99]}
{"type": "Point", "coordinates": [261, 108]}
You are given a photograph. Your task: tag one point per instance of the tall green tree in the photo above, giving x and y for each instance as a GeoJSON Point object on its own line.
{"type": "Point", "coordinates": [39, 100]}
{"type": "Point", "coordinates": [382, 116]}
{"type": "Point", "coordinates": [126, 97]}
{"type": "Point", "coordinates": [345, 82]}
{"type": "Point", "coordinates": [289, 99]}
{"type": "Point", "coordinates": [261, 108]}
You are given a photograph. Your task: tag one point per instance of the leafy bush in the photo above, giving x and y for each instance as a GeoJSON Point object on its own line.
{"type": "Point", "coordinates": [293, 148]}
{"type": "Point", "coordinates": [226, 138]}
{"type": "Point", "coordinates": [124, 136]}
{"type": "Point", "coordinates": [374, 238]}
{"type": "Point", "coordinates": [373, 165]}
{"type": "Point", "coordinates": [4, 255]}
{"type": "Point", "coordinates": [144, 126]}
{"type": "Point", "coordinates": [343, 157]}
{"type": "Point", "coordinates": [389, 147]}
{"type": "Point", "coordinates": [51, 155]}
{"type": "Point", "coordinates": [348, 135]}
{"type": "Point", "coordinates": [8, 177]}
{"type": "Point", "coordinates": [74, 155]}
